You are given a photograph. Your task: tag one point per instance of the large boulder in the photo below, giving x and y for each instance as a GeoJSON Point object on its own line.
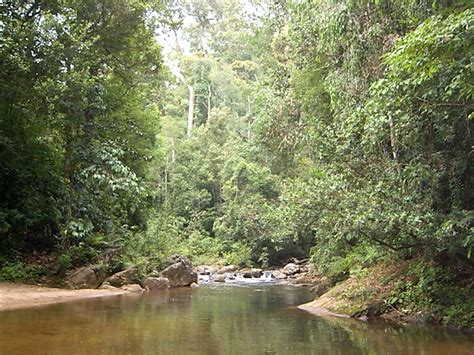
{"type": "Point", "coordinates": [87, 277]}
{"type": "Point", "coordinates": [125, 277]}
{"type": "Point", "coordinates": [277, 274]}
{"type": "Point", "coordinates": [157, 283]}
{"type": "Point", "coordinates": [291, 269]}
{"type": "Point", "coordinates": [180, 273]}
{"type": "Point", "coordinates": [253, 273]}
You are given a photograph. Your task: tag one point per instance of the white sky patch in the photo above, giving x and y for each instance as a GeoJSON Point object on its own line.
{"type": "Point", "coordinates": [166, 38]}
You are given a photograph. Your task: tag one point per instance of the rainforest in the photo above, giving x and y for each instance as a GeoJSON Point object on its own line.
{"type": "Point", "coordinates": [333, 135]}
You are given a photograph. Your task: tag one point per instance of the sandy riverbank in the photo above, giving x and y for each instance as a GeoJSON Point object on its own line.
{"type": "Point", "coordinates": [15, 296]}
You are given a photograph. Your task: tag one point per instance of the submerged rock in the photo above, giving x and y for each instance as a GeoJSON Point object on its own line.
{"type": "Point", "coordinates": [218, 278]}
{"type": "Point", "coordinates": [231, 276]}
{"type": "Point", "coordinates": [157, 283]}
{"type": "Point", "coordinates": [180, 273]}
{"type": "Point", "coordinates": [87, 277]}
{"type": "Point", "coordinates": [124, 277]}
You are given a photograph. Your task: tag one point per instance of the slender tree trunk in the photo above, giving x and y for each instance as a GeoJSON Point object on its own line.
{"type": "Point", "coordinates": [166, 179]}
{"type": "Point", "coordinates": [176, 40]}
{"type": "Point", "coordinates": [173, 152]}
{"type": "Point", "coordinates": [192, 94]}
{"type": "Point", "coordinates": [192, 99]}
{"type": "Point", "coordinates": [393, 139]}
{"type": "Point", "coordinates": [202, 40]}
{"type": "Point", "coordinates": [68, 171]}
{"type": "Point", "coordinates": [394, 145]}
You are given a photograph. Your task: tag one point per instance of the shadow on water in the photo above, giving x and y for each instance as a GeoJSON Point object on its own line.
{"type": "Point", "coordinates": [257, 319]}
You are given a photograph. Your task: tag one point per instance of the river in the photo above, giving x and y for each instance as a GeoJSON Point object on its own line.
{"type": "Point", "coordinates": [212, 319]}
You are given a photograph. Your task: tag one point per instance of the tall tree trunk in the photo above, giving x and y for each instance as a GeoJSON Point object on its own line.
{"type": "Point", "coordinates": [166, 179]}
{"type": "Point", "coordinates": [393, 144]}
{"type": "Point", "coordinates": [393, 139]}
{"type": "Point", "coordinates": [68, 171]}
{"type": "Point", "coordinates": [192, 94]}
{"type": "Point", "coordinates": [173, 152]}
{"type": "Point", "coordinates": [202, 40]}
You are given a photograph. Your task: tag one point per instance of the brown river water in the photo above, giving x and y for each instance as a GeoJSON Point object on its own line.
{"type": "Point", "coordinates": [223, 319]}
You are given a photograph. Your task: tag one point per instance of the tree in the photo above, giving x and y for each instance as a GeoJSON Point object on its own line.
{"type": "Point", "coordinates": [87, 72]}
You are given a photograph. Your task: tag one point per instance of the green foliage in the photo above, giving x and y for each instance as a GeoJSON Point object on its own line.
{"type": "Point", "coordinates": [339, 130]}
{"type": "Point", "coordinates": [82, 254]}
{"type": "Point", "coordinates": [433, 293]}
{"type": "Point", "coordinates": [239, 254]}
{"type": "Point", "coordinates": [78, 124]}
{"type": "Point", "coordinates": [356, 145]}
{"type": "Point", "coordinates": [352, 263]}
{"type": "Point", "coordinates": [64, 264]}
{"type": "Point", "coordinates": [16, 271]}
{"type": "Point", "coordinates": [379, 143]}
{"type": "Point", "coordinates": [424, 102]}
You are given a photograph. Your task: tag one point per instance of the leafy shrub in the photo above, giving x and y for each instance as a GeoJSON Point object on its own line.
{"type": "Point", "coordinates": [353, 263]}
{"type": "Point", "coordinates": [237, 253]}
{"type": "Point", "coordinates": [432, 291]}
{"type": "Point", "coordinates": [64, 263]}
{"type": "Point", "coordinates": [82, 254]}
{"type": "Point", "coordinates": [200, 248]}
{"type": "Point", "coordinates": [17, 271]}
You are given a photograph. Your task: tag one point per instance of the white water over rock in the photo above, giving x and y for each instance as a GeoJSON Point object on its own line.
{"type": "Point", "coordinates": [238, 277]}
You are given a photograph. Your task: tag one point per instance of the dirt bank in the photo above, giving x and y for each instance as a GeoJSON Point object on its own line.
{"type": "Point", "coordinates": [362, 295]}
{"type": "Point", "coordinates": [15, 296]}
{"type": "Point", "coordinates": [314, 308]}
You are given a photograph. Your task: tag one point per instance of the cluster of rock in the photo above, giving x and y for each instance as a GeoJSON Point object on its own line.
{"type": "Point", "coordinates": [299, 273]}
{"type": "Point", "coordinates": [179, 274]}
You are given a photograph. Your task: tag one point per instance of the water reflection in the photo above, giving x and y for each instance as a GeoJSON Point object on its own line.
{"type": "Point", "coordinates": [211, 320]}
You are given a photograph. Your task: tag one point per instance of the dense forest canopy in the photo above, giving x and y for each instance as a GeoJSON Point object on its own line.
{"type": "Point", "coordinates": [335, 130]}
